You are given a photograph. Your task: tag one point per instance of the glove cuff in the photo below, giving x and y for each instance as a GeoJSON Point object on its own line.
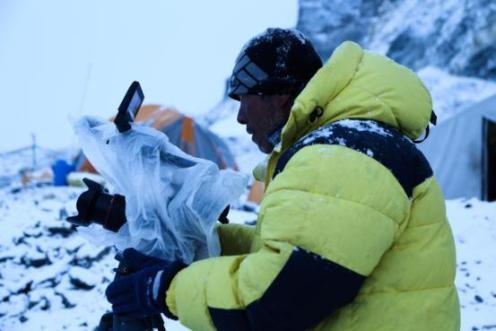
{"type": "Point", "coordinates": [161, 283]}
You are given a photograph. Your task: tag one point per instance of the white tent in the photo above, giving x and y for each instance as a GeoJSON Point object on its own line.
{"type": "Point", "coordinates": [462, 152]}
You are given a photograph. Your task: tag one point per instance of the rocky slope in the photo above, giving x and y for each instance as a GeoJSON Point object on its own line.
{"type": "Point", "coordinates": [458, 36]}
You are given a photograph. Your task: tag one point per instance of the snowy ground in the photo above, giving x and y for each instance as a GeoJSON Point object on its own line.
{"type": "Point", "coordinates": [52, 279]}
{"type": "Point", "coordinates": [474, 229]}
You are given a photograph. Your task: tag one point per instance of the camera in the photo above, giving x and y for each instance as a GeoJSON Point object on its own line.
{"type": "Point", "coordinates": [96, 205]}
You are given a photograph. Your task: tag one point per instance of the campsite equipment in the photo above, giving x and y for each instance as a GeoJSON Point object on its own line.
{"type": "Point", "coordinates": [184, 132]}
{"type": "Point", "coordinates": [462, 152]}
{"type": "Point", "coordinates": [60, 171]}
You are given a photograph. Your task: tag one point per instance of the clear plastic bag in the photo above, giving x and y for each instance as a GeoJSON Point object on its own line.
{"type": "Point", "coordinates": [173, 200]}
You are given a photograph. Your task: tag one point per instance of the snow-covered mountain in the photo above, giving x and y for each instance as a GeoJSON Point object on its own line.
{"type": "Point", "coordinates": [451, 94]}
{"type": "Point", "coordinates": [451, 43]}
{"type": "Point", "coordinates": [456, 35]}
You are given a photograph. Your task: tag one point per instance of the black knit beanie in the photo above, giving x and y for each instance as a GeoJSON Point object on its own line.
{"type": "Point", "coordinates": [278, 61]}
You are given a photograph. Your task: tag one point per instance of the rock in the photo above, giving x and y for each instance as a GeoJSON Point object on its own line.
{"type": "Point", "coordinates": [65, 301]}
{"type": "Point", "coordinates": [16, 190]}
{"type": "Point", "coordinates": [82, 278]}
{"type": "Point", "coordinates": [458, 36]}
{"type": "Point", "coordinates": [50, 276]}
{"type": "Point", "coordinates": [4, 293]}
{"type": "Point", "coordinates": [329, 23]}
{"type": "Point", "coordinates": [41, 303]}
{"type": "Point", "coordinates": [33, 232]}
{"type": "Point", "coordinates": [7, 255]}
{"type": "Point", "coordinates": [35, 259]}
{"type": "Point", "coordinates": [88, 254]}
{"type": "Point", "coordinates": [73, 244]}
{"type": "Point", "coordinates": [64, 229]}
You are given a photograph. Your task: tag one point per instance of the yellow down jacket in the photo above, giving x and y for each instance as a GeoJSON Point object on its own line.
{"type": "Point", "coordinates": [352, 233]}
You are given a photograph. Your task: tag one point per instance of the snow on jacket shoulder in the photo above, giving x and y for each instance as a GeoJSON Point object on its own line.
{"type": "Point", "coordinates": [352, 232]}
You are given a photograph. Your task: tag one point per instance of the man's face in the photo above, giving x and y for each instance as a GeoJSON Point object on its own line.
{"type": "Point", "coordinates": [263, 115]}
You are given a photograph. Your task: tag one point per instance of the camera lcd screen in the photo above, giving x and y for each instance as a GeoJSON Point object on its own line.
{"type": "Point", "coordinates": [134, 104]}
{"type": "Point", "coordinates": [129, 107]}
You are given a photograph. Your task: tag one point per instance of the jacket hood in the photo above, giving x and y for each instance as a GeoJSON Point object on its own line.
{"type": "Point", "coordinates": [355, 83]}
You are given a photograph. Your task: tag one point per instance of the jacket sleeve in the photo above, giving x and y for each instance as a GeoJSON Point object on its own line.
{"type": "Point", "coordinates": [235, 239]}
{"type": "Point", "coordinates": [326, 221]}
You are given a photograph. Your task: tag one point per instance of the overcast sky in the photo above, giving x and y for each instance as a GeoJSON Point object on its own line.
{"type": "Point", "coordinates": [62, 59]}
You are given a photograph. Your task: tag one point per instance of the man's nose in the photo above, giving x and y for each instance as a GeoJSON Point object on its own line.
{"type": "Point", "coordinates": [241, 118]}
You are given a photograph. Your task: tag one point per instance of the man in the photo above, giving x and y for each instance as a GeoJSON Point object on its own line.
{"type": "Point", "coordinates": [352, 232]}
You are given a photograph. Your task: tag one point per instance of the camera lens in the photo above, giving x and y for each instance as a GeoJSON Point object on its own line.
{"type": "Point", "coordinates": [96, 206]}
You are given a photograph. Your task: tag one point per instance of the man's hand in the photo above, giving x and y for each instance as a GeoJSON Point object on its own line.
{"type": "Point", "coordinates": [141, 293]}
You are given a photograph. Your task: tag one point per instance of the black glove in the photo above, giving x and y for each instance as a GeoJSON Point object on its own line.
{"type": "Point", "coordinates": [142, 292]}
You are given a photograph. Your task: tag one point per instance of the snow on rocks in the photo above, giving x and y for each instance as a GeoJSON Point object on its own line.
{"type": "Point", "coordinates": [83, 278]}
{"type": "Point", "coordinates": [53, 281]}
{"type": "Point", "coordinates": [51, 278]}
{"type": "Point", "coordinates": [46, 267]}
